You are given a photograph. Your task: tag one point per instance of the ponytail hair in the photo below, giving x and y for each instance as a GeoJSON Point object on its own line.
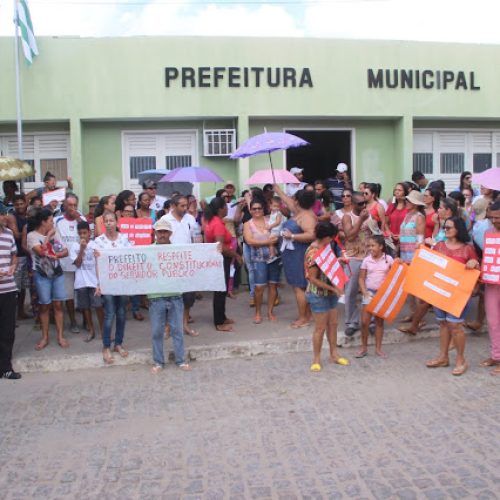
{"type": "Point", "coordinates": [380, 240]}
{"type": "Point", "coordinates": [213, 208]}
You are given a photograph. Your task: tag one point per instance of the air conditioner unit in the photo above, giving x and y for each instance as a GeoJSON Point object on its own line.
{"type": "Point", "coordinates": [219, 142]}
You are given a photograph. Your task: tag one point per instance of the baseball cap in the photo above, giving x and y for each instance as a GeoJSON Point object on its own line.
{"type": "Point", "coordinates": [342, 167]}
{"type": "Point", "coordinates": [162, 225]}
{"type": "Point", "coordinates": [229, 183]}
{"type": "Point", "coordinates": [149, 184]}
{"type": "Point", "coordinates": [296, 170]}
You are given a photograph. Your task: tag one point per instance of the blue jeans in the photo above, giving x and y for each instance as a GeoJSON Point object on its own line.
{"type": "Point", "coordinates": [114, 305]}
{"type": "Point", "coordinates": [158, 311]}
{"type": "Point", "coordinates": [250, 269]}
{"type": "Point", "coordinates": [135, 300]}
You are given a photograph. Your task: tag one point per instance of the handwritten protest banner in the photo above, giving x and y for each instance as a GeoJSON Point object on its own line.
{"type": "Point", "coordinates": [390, 297]}
{"type": "Point", "coordinates": [139, 231]}
{"type": "Point", "coordinates": [330, 265]}
{"type": "Point", "coordinates": [54, 195]}
{"type": "Point", "coordinates": [490, 268]}
{"type": "Point", "coordinates": [440, 281]}
{"type": "Point", "coordinates": [160, 269]}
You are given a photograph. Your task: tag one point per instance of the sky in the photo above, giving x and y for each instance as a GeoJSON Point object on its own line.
{"type": "Point", "coordinates": [469, 21]}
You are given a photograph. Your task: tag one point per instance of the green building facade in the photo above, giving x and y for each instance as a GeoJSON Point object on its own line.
{"type": "Point", "coordinates": [103, 109]}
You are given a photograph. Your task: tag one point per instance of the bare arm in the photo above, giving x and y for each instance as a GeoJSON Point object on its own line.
{"type": "Point", "coordinates": [313, 274]}
{"type": "Point", "coordinates": [250, 240]}
{"type": "Point", "coordinates": [362, 282]}
{"type": "Point", "coordinates": [290, 204]}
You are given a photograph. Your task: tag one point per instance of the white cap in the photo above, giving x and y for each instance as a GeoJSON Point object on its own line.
{"type": "Point", "coordinates": [342, 167]}
{"type": "Point", "coordinates": [162, 225]}
{"type": "Point", "coordinates": [296, 170]}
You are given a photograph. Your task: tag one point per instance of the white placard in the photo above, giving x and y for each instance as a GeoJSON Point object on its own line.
{"type": "Point", "coordinates": [55, 195]}
{"type": "Point", "coordinates": [161, 269]}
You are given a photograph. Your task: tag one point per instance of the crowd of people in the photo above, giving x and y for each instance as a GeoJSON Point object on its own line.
{"type": "Point", "coordinates": [51, 252]}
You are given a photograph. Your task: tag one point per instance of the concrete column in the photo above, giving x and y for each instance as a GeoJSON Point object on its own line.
{"type": "Point", "coordinates": [243, 133]}
{"type": "Point", "coordinates": [404, 148]}
{"type": "Point", "coordinates": [75, 136]}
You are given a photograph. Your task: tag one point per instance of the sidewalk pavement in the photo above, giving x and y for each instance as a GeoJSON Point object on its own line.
{"type": "Point", "coordinates": [248, 339]}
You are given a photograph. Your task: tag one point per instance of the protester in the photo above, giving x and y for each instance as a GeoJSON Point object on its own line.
{"type": "Point", "coordinates": [49, 184]}
{"type": "Point", "coordinates": [230, 190]}
{"type": "Point", "coordinates": [447, 208]}
{"type": "Point", "coordinates": [373, 205]}
{"type": "Point", "coordinates": [183, 230]}
{"type": "Point", "coordinates": [297, 233]}
{"type": "Point", "coordinates": [10, 190]}
{"type": "Point", "coordinates": [258, 236]}
{"type": "Point", "coordinates": [356, 229]}
{"type": "Point", "coordinates": [412, 229]}
{"type": "Point", "coordinates": [67, 234]}
{"type": "Point", "coordinates": [46, 253]}
{"type": "Point", "coordinates": [157, 201]}
{"type": "Point", "coordinates": [397, 210]}
{"type": "Point", "coordinates": [81, 255]}
{"type": "Point", "coordinates": [420, 180]}
{"type": "Point", "coordinates": [114, 305]}
{"type": "Point", "coordinates": [106, 203]}
{"type": "Point", "coordinates": [89, 216]}
{"type": "Point", "coordinates": [124, 198]}
{"type": "Point", "coordinates": [492, 300]}
{"type": "Point", "coordinates": [338, 183]}
{"type": "Point", "coordinates": [466, 183]}
{"type": "Point", "coordinates": [293, 187]}
{"type": "Point", "coordinates": [216, 232]}
{"type": "Point", "coordinates": [166, 306]}
{"type": "Point", "coordinates": [8, 293]}
{"type": "Point", "coordinates": [322, 296]}
{"type": "Point", "coordinates": [432, 199]}
{"type": "Point", "coordinates": [144, 209]}
{"type": "Point", "coordinates": [469, 208]}
{"type": "Point", "coordinates": [374, 270]}
{"type": "Point", "coordinates": [451, 327]}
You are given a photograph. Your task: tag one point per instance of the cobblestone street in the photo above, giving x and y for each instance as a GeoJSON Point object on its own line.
{"type": "Point", "coordinates": [256, 428]}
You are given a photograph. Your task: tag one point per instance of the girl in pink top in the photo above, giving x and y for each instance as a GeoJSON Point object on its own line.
{"type": "Point", "coordinates": [374, 269]}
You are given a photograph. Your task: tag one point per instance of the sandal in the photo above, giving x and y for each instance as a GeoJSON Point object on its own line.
{"type": "Point", "coordinates": [156, 369]}
{"type": "Point", "coordinates": [121, 351]}
{"type": "Point", "coordinates": [41, 345]}
{"type": "Point", "coordinates": [315, 367]}
{"type": "Point", "coordinates": [361, 354]}
{"type": "Point", "coordinates": [138, 316]}
{"type": "Point", "coordinates": [296, 324]}
{"type": "Point", "coordinates": [488, 363]}
{"type": "Point", "coordinates": [271, 317]}
{"type": "Point", "coordinates": [460, 370]}
{"type": "Point", "coordinates": [224, 328]}
{"type": "Point", "coordinates": [437, 363]}
{"type": "Point", "coordinates": [258, 319]}
{"type": "Point", "coordinates": [63, 342]}
{"type": "Point", "coordinates": [407, 329]}
{"type": "Point", "coordinates": [341, 361]}
{"type": "Point", "coordinates": [107, 356]}
{"type": "Point", "coordinates": [381, 354]}
{"type": "Point", "coordinates": [190, 332]}
{"type": "Point", "coordinates": [185, 367]}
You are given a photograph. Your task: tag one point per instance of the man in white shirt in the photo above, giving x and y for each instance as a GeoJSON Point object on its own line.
{"type": "Point", "coordinates": [293, 187]}
{"type": "Point", "coordinates": [183, 227]}
{"type": "Point", "coordinates": [67, 233]}
{"type": "Point", "coordinates": [157, 201]}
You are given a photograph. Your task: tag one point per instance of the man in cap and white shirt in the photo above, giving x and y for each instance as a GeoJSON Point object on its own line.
{"type": "Point", "coordinates": [157, 201]}
{"type": "Point", "coordinates": [293, 187]}
{"type": "Point", "coordinates": [337, 184]}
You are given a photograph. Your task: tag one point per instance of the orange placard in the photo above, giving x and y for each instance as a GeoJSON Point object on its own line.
{"type": "Point", "coordinates": [441, 281]}
{"type": "Point", "coordinates": [139, 231]}
{"type": "Point", "coordinates": [390, 297]}
{"type": "Point", "coordinates": [490, 268]}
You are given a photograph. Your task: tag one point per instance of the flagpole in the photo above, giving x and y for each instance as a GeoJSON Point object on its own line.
{"type": "Point", "coordinates": [18, 93]}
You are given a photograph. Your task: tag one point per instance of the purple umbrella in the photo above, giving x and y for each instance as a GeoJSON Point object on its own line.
{"type": "Point", "coordinates": [192, 174]}
{"type": "Point", "coordinates": [489, 178]}
{"type": "Point", "coordinates": [267, 143]}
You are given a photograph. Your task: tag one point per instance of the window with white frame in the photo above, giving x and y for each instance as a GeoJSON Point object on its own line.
{"type": "Point", "coordinates": [445, 154]}
{"type": "Point", "coordinates": [45, 152]}
{"type": "Point", "coordinates": [157, 150]}
{"type": "Point", "coordinates": [219, 142]}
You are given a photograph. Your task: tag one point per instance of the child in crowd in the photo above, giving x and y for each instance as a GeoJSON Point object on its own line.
{"type": "Point", "coordinates": [374, 269]}
{"type": "Point", "coordinates": [82, 256]}
{"type": "Point", "coordinates": [276, 221]}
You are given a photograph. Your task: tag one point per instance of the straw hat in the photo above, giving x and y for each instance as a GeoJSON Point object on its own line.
{"type": "Point", "coordinates": [416, 197]}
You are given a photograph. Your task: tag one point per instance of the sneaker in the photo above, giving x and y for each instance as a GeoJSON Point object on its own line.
{"type": "Point", "coordinates": [75, 329]}
{"type": "Point", "coordinates": [11, 375]}
{"type": "Point", "coordinates": [350, 331]}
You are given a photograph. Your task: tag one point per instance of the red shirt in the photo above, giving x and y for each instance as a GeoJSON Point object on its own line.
{"type": "Point", "coordinates": [216, 228]}
{"type": "Point", "coordinates": [396, 218]}
{"type": "Point", "coordinates": [462, 254]}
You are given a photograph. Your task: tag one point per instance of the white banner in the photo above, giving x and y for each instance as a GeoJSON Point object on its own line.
{"type": "Point", "coordinates": [161, 269]}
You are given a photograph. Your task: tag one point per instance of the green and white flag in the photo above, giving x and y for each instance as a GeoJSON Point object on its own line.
{"type": "Point", "coordinates": [23, 20]}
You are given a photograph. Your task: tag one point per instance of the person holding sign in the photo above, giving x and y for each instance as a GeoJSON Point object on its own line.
{"type": "Point", "coordinates": [491, 258]}
{"type": "Point", "coordinates": [322, 296]}
{"type": "Point", "coordinates": [451, 327]}
{"type": "Point", "coordinates": [114, 305]}
{"type": "Point", "coordinates": [374, 270]}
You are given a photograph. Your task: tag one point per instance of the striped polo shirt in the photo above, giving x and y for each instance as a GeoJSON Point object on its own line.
{"type": "Point", "coordinates": [7, 250]}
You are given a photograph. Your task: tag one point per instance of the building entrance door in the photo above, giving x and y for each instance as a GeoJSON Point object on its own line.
{"type": "Point", "coordinates": [319, 160]}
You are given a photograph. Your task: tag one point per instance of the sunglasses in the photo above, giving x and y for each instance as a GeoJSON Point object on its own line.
{"type": "Point", "coordinates": [347, 196]}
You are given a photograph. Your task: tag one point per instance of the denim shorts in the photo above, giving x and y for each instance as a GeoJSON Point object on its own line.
{"type": "Point", "coordinates": [49, 289]}
{"type": "Point", "coordinates": [266, 273]}
{"type": "Point", "coordinates": [446, 316]}
{"type": "Point", "coordinates": [320, 304]}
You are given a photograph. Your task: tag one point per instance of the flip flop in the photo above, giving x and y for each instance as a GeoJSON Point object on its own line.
{"type": "Point", "coordinates": [437, 363]}
{"type": "Point", "coordinates": [257, 320]}
{"type": "Point", "coordinates": [407, 330]}
{"type": "Point", "coordinates": [185, 367]}
{"type": "Point", "coordinates": [361, 354]}
{"type": "Point", "coordinates": [315, 367]}
{"type": "Point", "coordinates": [190, 332]}
{"type": "Point", "coordinates": [296, 325]}
{"type": "Point", "coordinates": [382, 355]}
{"type": "Point", "coordinates": [341, 361]}
{"type": "Point", "coordinates": [460, 370]}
